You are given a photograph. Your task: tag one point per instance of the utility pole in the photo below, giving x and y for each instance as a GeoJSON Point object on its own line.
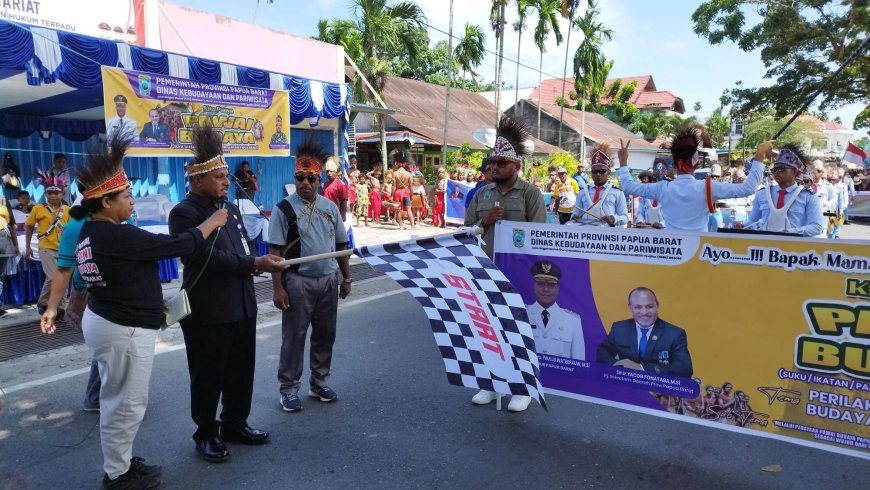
{"type": "Point", "coordinates": [449, 82]}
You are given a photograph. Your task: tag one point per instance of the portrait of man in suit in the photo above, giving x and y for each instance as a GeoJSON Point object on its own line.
{"type": "Point", "coordinates": [646, 342]}
{"type": "Point", "coordinates": [154, 130]}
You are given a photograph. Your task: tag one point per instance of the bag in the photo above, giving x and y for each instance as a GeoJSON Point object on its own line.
{"type": "Point", "coordinates": [176, 309]}
{"type": "Point", "coordinates": [7, 247]}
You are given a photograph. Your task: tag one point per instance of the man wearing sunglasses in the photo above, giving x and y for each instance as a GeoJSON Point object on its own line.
{"type": "Point", "coordinates": [305, 224]}
{"type": "Point", "coordinates": [604, 205]}
{"type": "Point", "coordinates": [786, 206]}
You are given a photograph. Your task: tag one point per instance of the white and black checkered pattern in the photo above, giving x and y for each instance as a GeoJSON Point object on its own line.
{"type": "Point", "coordinates": [414, 265]}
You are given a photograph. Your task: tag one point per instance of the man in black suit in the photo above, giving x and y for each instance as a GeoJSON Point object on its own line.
{"type": "Point", "coordinates": [646, 342]}
{"type": "Point", "coordinates": [154, 130]}
{"type": "Point", "coordinates": [220, 333]}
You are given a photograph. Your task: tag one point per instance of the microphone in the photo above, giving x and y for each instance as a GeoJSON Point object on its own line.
{"type": "Point", "coordinates": [222, 204]}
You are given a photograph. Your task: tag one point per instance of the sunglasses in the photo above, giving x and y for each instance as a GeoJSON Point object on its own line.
{"type": "Point", "coordinates": [779, 169]}
{"type": "Point", "coordinates": [600, 171]}
{"type": "Point", "coordinates": [311, 178]}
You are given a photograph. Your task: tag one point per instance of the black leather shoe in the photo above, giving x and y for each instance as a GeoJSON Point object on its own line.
{"type": "Point", "coordinates": [213, 449]}
{"type": "Point", "coordinates": [245, 435]}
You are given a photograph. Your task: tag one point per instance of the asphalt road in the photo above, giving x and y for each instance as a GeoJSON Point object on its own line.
{"type": "Point", "coordinates": [398, 424]}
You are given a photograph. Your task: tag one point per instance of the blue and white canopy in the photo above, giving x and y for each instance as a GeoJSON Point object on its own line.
{"type": "Point", "coordinates": [56, 74]}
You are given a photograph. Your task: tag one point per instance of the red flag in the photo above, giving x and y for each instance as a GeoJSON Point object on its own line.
{"type": "Point", "coordinates": [854, 155]}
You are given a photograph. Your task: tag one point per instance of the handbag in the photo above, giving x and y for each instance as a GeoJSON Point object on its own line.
{"type": "Point", "coordinates": [177, 307]}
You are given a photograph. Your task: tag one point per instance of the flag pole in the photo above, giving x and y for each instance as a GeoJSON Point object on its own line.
{"type": "Point", "coordinates": [823, 86]}
{"type": "Point", "coordinates": [312, 258]}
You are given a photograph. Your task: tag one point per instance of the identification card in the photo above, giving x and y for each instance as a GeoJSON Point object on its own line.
{"type": "Point", "coordinates": [245, 244]}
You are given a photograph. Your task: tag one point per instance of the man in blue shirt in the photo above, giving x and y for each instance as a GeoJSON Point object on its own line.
{"type": "Point", "coordinates": [787, 207]}
{"type": "Point", "coordinates": [603, 204]}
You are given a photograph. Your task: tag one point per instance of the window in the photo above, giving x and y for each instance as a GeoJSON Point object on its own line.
{"type": "Point", "coordinates": [738, 127]}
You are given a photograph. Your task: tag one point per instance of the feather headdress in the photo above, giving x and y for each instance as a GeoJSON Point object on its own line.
{"type": "Point", "coordinates": [600, 155]}
{"type": "Point", "coordinates": [310, 157]}
{"type": "Point", "coordinates": [103, 172]}
{"type": "Point", "coordinates": [512, 141]}
{"type": "Point", "coordinates": [208, 150]}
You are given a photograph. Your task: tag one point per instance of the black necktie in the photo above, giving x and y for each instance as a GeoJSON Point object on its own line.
{"type": "Point", "coordinates": [546, 316]}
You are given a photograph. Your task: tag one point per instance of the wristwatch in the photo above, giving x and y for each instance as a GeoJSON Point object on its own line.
{"type": "Point", "coordinates": [347, 280]}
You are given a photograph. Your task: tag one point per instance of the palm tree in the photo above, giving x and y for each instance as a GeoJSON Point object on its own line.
{"type": "Point", "coordinates": [523, 7]}
{"type": "Point", "coordinates": [570, 6]}
{"type": "Point", "coordinates": [447, 91]}
{"type": "Point", "coordinates": [470, 51]}
{"type": "Point", "coordinates": [379, 28]}
{"type": "Point", "coordinates": [650, 124]}
{"type": "Point", "coordinates": [496, 19]}
{"type": "Point", "coordinates": [589, 61]}
{"type": "Point", "coordinates": [548, 19]}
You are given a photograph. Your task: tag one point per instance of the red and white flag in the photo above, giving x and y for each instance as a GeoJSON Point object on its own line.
{"type": "Point", "coordinates": [854, 155]}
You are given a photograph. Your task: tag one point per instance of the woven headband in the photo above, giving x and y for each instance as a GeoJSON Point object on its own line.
{"type": "Point", "coordinates": [116, 183]}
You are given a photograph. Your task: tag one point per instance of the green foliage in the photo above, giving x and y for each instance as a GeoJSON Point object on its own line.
{"type": "Point", "coordinates": [470, 50]}
{"type": "Point", "coordinates": [539, 168]}
{"type": "Point", "coordinates": [800, 42]}
{"type": "Point", "coordinates": [763, 125]}
{"type": "Point", "coordinates": [590, 65]}
{"type": "Point", "coordinates": [464, 154]}
{"type": "Point", "coordinates": [862, 142]}
{"type": "Point", "coordinates": [562, 102]}
{"type": "Point", "coordinates": [697, 107]}
{"type": "Point", "coordinates": [717, 126]}
{"type": "Point", "coordinates": [651, 125]}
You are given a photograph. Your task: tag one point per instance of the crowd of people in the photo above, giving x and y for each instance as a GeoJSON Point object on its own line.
{"type": "Point", "coordinates": [117, 298]}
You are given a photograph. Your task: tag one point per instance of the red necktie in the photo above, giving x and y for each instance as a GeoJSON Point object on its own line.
{"type": "Point", "coordinates": [780, 202]}
{"type": "Point", "coordinates": [815, 188]}
{"type": "Point", "coordinates": [655, 203]}
{"type": "Point", "coordinates": [597, 193]}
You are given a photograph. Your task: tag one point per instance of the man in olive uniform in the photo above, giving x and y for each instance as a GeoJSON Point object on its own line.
{"type": "Point", "coordinates": [508, 197]}
{"type": "Point", "coordinates": [558, 332]}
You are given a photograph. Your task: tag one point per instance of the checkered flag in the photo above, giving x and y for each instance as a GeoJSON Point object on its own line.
{"type": "Point", "coordinates": [478, 318]}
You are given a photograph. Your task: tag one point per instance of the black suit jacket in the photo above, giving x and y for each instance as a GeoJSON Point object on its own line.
{"type": "Point", "coordinates": [159, 133]}
{"type": "Point", "coordinates": [225, 292]}
{"type": "Point", "coordinates": [621, 343]}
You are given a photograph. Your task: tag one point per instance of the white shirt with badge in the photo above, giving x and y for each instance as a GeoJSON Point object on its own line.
{"type": "Point", "coordinates": [562, 335]}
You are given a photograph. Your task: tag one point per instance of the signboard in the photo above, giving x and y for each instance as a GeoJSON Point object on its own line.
{"type": "Point", "coordinates": [859, 205]}
{"type": "Point", "coordinates": [119, 20]}
{"type": "Point", "coordinates": [158, 112]}
{"type": "Point", "coordinates": [454, 200]}
{"type": "Point", "coordinates": [766, 336]}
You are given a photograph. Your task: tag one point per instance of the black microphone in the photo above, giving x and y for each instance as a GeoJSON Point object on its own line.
{"type": "Point", "coordinates": [222, 204]}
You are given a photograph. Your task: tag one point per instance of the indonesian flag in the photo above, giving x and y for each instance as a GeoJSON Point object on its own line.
{"type": "Point", "coordinates": [854, 155]}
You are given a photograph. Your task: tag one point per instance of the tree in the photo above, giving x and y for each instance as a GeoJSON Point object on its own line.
{"type": "Point", "coordinates": [651, 125]}
{"type": "Point", "coordinates": [800, 41]}
{"type": "Point", "coordinates": [764, 124]}
{"type": "Point", "coordinates": [590, 65]}
{"type": "Point", "coordinates": [470, 50]}
{"type": "Point", "coordinates": [697, 107]}
{"type": "Point", "coordinates": [717, 126]}
{"type": "Point", "coordinates": [496, 20]}
{"type": "Point", "coordinates": [523, 7]}
{"type": "Point", "coordinates": [383, 28]}
{"type": "Point", "coordinates": [548, 20]}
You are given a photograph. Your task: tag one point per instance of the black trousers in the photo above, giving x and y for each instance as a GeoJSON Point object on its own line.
{"type": "Point", "coordinates": [564, 217]}
{"type": "Point", "coordinates": [220, 359]}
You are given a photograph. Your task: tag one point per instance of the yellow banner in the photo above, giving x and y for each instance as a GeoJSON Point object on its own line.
{"type": "Point", "coordinates": [767, 335]}
{"type": "Point", "coordinates": [158, 112]}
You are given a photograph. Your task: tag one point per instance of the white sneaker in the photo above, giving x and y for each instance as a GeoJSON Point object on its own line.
{"type": "Point", "coordinates": [484, 397]}
{"type": "Point", "coordinates": [519, 403]}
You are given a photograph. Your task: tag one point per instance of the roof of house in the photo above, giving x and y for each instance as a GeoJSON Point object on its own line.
{"type": "Point", "coordinates": [424, 103]}
{"type": "Point", "coordinates": [598, 128]}
{"type": "Point", "coordinates": [645, 95]}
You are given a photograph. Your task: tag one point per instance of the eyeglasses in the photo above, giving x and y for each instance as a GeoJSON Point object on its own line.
{"type": "Point", "coordinates": [600, 171]}
{"type": "Point", "coordinates": [778, 169]}
{"type": "Point", "coordinates": [311, 178]}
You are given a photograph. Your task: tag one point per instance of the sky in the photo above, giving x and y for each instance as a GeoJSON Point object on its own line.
{"type": "Point", "coordinates": [650, 38]}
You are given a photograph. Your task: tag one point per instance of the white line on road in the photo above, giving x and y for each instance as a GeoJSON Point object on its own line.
{"type": "Point", "coordinates": [173, 348]}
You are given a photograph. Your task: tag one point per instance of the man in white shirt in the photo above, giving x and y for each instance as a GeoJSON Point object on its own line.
{"type": "Point", "coordinates": [558, 332]}
{"type": "Point", "coordinates": [687, 202]}
{"type": "Point", "coordinates": [121, 123]}
{"type": "Point", "coordinates": [786, 206]}
{"type": "Point", "coordinates": [601, 204]}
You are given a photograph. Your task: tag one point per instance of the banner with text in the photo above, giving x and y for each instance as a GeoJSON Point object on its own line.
{"type": "Point", "coordinates": [768, 336]}
{"type": "Point", "coordinates": [158, 112]}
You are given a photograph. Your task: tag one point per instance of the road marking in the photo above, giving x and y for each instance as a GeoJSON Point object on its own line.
{"type": "Point", "coordinates": [172, 348]}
